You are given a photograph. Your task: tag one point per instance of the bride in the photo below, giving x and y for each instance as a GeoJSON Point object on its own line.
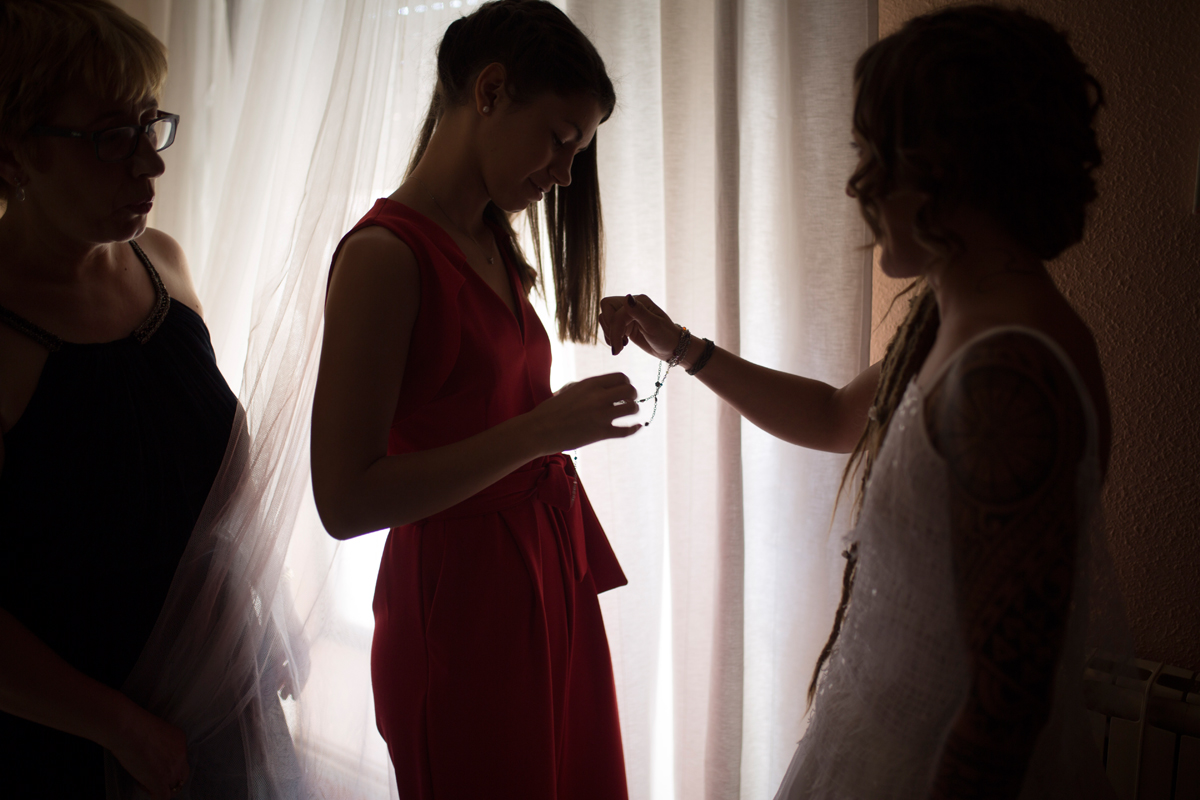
{"type": "Point", "coordinates": [979, 442]}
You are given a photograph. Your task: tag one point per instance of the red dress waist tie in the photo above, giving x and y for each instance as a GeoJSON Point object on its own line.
{"type": "Point", "coordinates": [551, 480]}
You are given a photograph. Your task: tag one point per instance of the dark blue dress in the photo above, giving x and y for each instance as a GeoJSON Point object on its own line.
{"type": "Point", "coordinates": [104, 477]}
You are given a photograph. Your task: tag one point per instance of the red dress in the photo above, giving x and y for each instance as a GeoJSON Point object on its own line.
{"type": "Point", "coordinates": [490, 665]}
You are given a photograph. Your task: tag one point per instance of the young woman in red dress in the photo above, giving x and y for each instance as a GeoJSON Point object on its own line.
{"type": "Point", "coordinates": [433, 416]}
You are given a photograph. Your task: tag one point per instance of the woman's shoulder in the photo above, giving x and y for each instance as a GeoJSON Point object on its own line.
{"type": "Point", "coordinates": [374, 274]}
{"type": "Point", "coordinates": [403, 222]}
{"type": "Point", "coordinates": [376, 238]}
{"type": "Point", "coordinates": [389, 231]}
{"type": "Point", "coordinates": [393, 242]}
{"type": "Point", "coordinates": [1032, 317]}
{"type": "Point", "coordinates": [171, 264]}
{"type": "Point", "coordinates": [377, 253]}
{"type": "Point", "coordinates": [1049, 360]}
{"type": "Point", "coordinates": [1016, 347]}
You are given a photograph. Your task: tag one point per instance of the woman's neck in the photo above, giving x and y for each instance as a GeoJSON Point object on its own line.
{"type": "Point", "coordinates": [986, 273]}
{"type": "Point", "coordinates": [448, 181]}
{"type": "Point", "coordinates": [37, 252]}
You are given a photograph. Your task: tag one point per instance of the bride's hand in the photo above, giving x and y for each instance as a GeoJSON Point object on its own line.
{"type": "Point", "coordinates": [637, 319]}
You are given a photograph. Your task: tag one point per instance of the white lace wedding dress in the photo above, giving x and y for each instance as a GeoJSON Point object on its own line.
{"type": "Point", "coordinates": [898, 673]}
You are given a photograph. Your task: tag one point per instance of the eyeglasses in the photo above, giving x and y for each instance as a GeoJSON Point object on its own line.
{"type": "Point", "coordinates": [118, 144]}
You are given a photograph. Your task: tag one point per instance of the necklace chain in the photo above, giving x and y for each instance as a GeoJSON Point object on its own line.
{"type": "Point", "coordinates": [659, 380]}
{"type": "Point", "coordinates": [474, 241]}
{"type": "Point", "coordinates": [685, 339]}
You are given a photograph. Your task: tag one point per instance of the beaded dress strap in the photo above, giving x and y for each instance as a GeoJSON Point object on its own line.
{"type": "Point", "coordinates": [142, 333]}
{"type": "Point", "coordinates": [43, 337]}
{"type": "Point", "coordinates": [162, 300]}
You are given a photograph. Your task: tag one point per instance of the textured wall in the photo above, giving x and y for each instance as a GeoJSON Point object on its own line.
{"type": "Point", "coordinates": [1136, 280]}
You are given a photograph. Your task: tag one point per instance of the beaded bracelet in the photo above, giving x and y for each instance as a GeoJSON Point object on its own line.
{"type": "Point", "coordinates": [709, 347]}
{"type": "Point", "coordinates": [685, 339]}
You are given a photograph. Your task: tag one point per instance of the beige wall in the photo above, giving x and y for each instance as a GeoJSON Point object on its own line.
{"type": "Point", "coordinates": [1136, 280]}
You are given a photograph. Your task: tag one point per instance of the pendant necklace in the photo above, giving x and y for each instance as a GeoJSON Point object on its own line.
{"type": "Point", "coordinates": [474, 241]}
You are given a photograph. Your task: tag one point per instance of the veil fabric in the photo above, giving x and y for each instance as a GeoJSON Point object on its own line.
{"type": "Point", "coordinates": [227, 649]}
{"type": "Point", "coordinates": [298, 115]}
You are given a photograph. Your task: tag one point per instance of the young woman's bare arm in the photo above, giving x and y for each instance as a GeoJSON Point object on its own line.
{"type": "Point", "coordinates": [369, 316]}
{"type": "Point", "coordinates": [1010, 426]}
{"type": "Point", "coordinates": [799, 410]}
{"type": "Point", "coordinates": [37, 685]}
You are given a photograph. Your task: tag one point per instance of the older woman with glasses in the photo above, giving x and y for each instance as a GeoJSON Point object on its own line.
{"type": "Point", "coordinates": [114, 416]}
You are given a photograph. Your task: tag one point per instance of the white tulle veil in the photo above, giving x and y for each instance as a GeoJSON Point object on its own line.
{"type": "Point", "coordinates": [251, 651]}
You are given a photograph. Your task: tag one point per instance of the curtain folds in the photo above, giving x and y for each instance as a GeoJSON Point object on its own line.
{"type": "Point", "coordinates": [723, 171]}
{"type": "Point", "coordinates": [733, 134]}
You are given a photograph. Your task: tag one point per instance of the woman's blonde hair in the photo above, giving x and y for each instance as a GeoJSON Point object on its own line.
{"type": "Point", "coordinates": [48, 47]}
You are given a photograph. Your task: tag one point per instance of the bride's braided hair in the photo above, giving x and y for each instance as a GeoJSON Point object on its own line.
{"type": "Point", "coordinates": [978, 106]}
{"type": "Point", "coordinates": [901, 362]}
{"type": "Point", "coordinates": [542, 51]}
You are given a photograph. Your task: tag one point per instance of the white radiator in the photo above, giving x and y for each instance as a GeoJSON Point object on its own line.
{"type": "Point", "coordinates": [1146, 717]}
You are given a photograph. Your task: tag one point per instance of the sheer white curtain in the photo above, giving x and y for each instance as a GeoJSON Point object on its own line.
{"type": "Point", "coordinates": [723, 175]}
{"type": "Point", "coordinates": [722, 170]}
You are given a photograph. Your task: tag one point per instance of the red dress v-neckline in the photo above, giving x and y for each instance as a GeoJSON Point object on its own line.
{"type": "Point", "coordinates": [507, 258]}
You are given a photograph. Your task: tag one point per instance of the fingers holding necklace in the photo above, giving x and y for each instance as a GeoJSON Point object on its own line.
{"type": "Point", "coordinates": [637, 319]}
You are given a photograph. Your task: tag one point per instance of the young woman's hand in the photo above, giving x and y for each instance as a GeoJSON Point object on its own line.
{"type": "Point", "coordinates": [638, 320]}
{"type": "Point", "coordinates": [583, 412]}
{"type": "Point", "coordinates": [152, 750]}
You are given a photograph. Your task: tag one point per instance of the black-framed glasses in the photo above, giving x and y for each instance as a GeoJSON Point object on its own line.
{"type": "Point", "coordinates": [118, 144]}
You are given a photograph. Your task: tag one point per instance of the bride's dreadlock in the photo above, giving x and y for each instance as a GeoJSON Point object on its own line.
{"type": "Point", "coordinates": [905, 354]}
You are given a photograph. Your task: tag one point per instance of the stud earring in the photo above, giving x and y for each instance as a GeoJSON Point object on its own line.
{"type": "Point", "coordinates": [487, 109]}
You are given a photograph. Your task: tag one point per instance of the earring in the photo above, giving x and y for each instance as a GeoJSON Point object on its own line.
{"type": "Point", "coordinates": [20, 193]}
{"type": "Point", "coordinates": [487, 109]}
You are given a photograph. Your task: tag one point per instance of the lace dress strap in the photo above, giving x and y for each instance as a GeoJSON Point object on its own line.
{"type": "Point", "coordinates": [142, 333]}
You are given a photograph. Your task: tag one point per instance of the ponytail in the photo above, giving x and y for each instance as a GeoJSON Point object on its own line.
{"type": "Point", "coordinates": [542, 51]}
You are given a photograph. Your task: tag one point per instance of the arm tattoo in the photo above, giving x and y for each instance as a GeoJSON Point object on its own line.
{"type": "Point", "coordinates": [1009, 423]}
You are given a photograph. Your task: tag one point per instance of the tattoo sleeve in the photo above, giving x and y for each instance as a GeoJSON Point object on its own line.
{"type": "Point", "coordinates": [1008, 422]}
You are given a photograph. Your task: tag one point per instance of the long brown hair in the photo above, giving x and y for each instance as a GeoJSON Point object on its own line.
{"type": "Point", "coordinates": [981, 106]}
{"type": "Point", "coordinates": [542, 51]}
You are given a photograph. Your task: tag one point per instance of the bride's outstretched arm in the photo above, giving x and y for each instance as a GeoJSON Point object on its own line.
{"type": "Point", "coordinates": [800, 410]}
